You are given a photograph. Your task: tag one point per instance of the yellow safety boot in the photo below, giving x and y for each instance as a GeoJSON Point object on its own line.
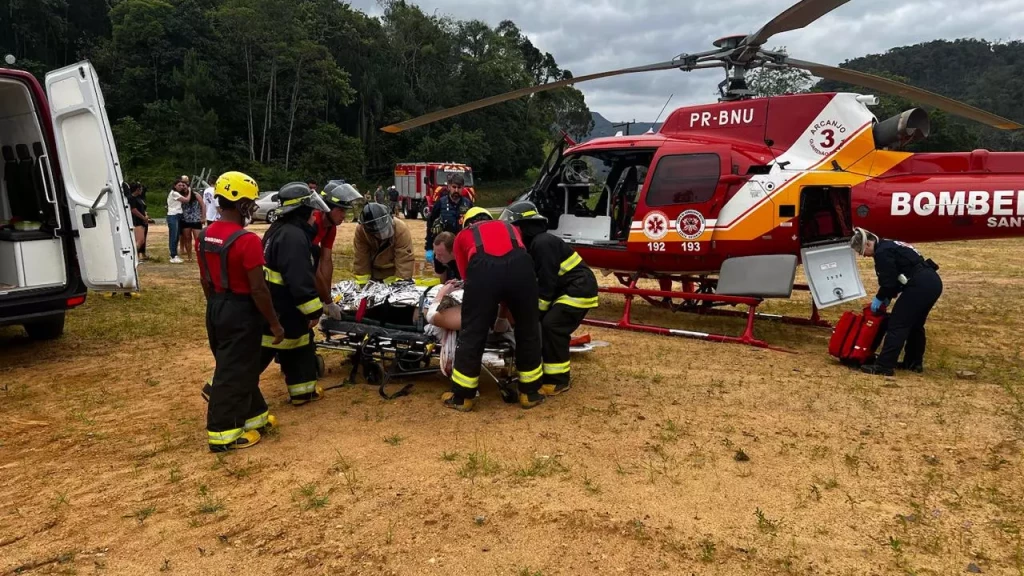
{"type": "Point", "coordinates": [246, 440]}
{"type": "Point", "coordinates": [530, 399]}
{"type": "Point", "coordinates": [555, 389]}
{"type": "Point", "coordinates": [455, 403]}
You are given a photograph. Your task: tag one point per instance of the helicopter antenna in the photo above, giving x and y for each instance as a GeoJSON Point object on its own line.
{"type": "Point", "coordinates": [662, 110]}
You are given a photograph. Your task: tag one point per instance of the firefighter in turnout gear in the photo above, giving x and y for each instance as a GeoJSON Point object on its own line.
{"type": "Point", "coordinates": [291, 275]}
{"type": "Point", "coordinates": [567, 291]}
{"type": "Point", "coordinates": [447, 214]}
{"type": "Point", "coordinates": [491, 257]}
{"type": "Point", "coordinates": [382, 247]}
{"type": "Point", "coordinates": [901, 271]}
{"type": "Point", "coordinates": [238, 303]}
{"type": "Point", "coordinates": [339, 197]}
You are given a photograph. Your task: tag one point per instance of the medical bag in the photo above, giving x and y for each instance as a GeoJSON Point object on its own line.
{"type": "Point", "coordinates": [857, 336]}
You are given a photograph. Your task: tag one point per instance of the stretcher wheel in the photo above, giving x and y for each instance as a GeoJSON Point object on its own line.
{"type": "Point", "coordinates": [373, 373]}
{"type": "Point", "coordinates": [321, 366]}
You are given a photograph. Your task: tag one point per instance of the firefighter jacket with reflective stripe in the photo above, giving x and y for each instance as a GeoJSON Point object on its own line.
{"type": "Point", "coordinates": [445, 216]}
{"type": "Point", "coordinates": [562, 276]}
{"type": "Point", "coordinates": [381, 259]}
{"type": "Point", "coordinates": [289, 270]}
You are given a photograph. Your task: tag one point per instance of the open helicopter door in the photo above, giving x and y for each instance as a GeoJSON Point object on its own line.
{"type": "Point", "coordinates": [832, 274]}
{"type": "Point", "coordinates": [104, 239]}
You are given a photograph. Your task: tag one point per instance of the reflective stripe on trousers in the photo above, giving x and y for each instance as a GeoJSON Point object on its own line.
{"type": "Point", "coordinates": [257, 421]}
{"type": "Point", "coordinates": [225, 437]}
{"type": "Point", "coordinates": [463, 380]}
{"type": "Point", "coordinates": [302, 388]}
{"type": "Point", "coordinates": [531, 375]}
{"type": "Point", "coordinates": [560, 368]}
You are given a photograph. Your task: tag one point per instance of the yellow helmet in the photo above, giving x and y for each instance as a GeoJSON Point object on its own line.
{"type": "Point", "coordinates": [476, 214]}
{"type": "Point", "coordinates": [236, 186]}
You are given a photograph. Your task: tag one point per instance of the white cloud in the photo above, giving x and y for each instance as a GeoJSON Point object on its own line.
{"type": "Point", "coordinates": [608, 34]}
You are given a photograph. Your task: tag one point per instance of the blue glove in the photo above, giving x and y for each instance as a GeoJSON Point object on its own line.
{"type": "Point", "coordinates": [430, 256]}
{"type": "Point", "coordinates": [876, 304]}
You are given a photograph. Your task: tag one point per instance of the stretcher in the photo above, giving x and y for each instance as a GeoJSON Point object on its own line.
{"type": "Point", "coordinates": [386, 353]}
{"type": "Point", "coordinates": [386, 332]}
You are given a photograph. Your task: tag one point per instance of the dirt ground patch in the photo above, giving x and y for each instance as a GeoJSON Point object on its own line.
{"type": "Point", "coordinates": [669, 456]}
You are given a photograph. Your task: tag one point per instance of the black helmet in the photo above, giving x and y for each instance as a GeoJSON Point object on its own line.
{"type": "Point", "coordinates": [376, 220]}
{"type": "Point", "coordinates": [522, 211]}
{"type": "Point", "coordinates": [297, 194]}
{"type": "Point", "coordinates": [339, 194]}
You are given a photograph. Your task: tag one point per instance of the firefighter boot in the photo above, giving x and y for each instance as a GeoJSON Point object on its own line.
{"type": "Point", "coordinates": [530, 399]}
{"type": "Point", "coordinates": [316, 395]}
{"type": "Point", "coordinates": [450, 400]}
{"type": "Point", "coordinates": [555, 389]}
{"type": "Point", "coordinates": [248, 439]}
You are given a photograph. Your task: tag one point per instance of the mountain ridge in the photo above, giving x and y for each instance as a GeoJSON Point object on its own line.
{"type": "Point", "coordinates": [604, 127]}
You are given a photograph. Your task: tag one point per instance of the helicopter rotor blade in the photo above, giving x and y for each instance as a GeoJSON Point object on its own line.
{"type": "Point", "coordinates": [909, 92]}
{"type": "Point", "coordinates": [793, 18]}
{"type": "Point", "coordinates": [491, 100]}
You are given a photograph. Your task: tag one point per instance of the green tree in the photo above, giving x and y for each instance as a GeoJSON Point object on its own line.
{"type": "Point", "coordinates": [778, 81]}
{"type": "Point", "coordinates": [133, 142]}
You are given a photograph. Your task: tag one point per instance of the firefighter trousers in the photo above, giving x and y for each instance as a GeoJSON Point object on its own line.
{"type": "Point", "coordinates": [556, 328]}
{"type": "Point", "coordinates": [233, 326]}
{"type": "Point", "coordinates": [296, 354]}
{"type": "Point", "coordinates": [905, 330]}
{"type": "Point", "coordinates": [491, 281]}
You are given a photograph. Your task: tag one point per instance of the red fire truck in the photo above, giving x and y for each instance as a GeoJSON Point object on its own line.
{"type": "Point", "coordinates": [420, 184]}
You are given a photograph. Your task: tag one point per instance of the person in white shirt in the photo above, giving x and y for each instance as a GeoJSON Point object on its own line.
{"type": "Point", "coordinates": [176, 200]}
{"type": "Point", "coordinates": [212, 213]}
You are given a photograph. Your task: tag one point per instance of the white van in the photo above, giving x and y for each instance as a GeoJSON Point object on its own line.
{"type": "Point", "coordinates": [65, 225]}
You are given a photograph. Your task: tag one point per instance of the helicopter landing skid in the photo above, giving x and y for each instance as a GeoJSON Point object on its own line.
{"type": "Point", "coordinates": [631, 291]}
{"type": "Point", "coordinates": [705, 285]}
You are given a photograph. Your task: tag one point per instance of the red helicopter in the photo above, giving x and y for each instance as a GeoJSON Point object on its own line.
{"type": "Point", "coordinates": [726, 198]}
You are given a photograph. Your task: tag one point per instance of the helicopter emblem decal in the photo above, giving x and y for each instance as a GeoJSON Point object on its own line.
{"type": "Point", "coordinates": [690, 224]}
{"type": "Point", "coordinates": [826, 135]}
{"type": "Point", "coordinates": [655, 225]}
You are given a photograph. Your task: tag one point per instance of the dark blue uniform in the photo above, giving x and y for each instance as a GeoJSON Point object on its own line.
{"type": "Point", "coordinates": [902, 271]}
{"type": "Point", "coordinates": [446, 216]}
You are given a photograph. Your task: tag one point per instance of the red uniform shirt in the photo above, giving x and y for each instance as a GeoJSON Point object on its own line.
{"type": "Point", "coordinates": [495, 237]}
{"type": "Point", "coordinates": [244, 254]}
{"type": "Point", "coordinates": [325, 233]}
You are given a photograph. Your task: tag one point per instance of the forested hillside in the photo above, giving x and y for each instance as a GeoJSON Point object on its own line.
{"type": "Point", "coordinates": [288, 89]}
{"type": "Point", "coordinates": [984, 74]}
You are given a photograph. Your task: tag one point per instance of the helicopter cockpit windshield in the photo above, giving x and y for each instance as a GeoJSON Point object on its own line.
{"type": "Point", "coordinates": [593, 198]}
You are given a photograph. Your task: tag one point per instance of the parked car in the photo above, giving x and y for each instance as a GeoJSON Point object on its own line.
{"type": "Point", "coordinates": [65, 226]}
{"type": "Point", "coordinates": [265, 205]}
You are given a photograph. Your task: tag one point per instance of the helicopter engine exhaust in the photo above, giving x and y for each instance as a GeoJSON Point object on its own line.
{"type": "Point", "coordinates": [902, 129]}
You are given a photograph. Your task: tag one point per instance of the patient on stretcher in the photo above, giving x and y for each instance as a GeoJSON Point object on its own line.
{"type": "Point", "coordinates": [443, 314]}
{"type": "Point", "coordinates": [438, 310]}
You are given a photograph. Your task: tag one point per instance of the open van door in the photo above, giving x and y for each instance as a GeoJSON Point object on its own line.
{"type": "Point", "coordinates": [92, 177]}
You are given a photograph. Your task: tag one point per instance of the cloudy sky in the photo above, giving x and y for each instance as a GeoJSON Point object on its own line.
{"type": "Point", "coordinates": [596, 35]}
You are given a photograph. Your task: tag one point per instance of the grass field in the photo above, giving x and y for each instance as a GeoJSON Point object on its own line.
{"type": "Point", "coordinates": [669, 456]}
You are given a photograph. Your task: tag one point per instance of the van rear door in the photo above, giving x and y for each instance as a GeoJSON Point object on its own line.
{"type": "Point", "coordinates": [105, 242]}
